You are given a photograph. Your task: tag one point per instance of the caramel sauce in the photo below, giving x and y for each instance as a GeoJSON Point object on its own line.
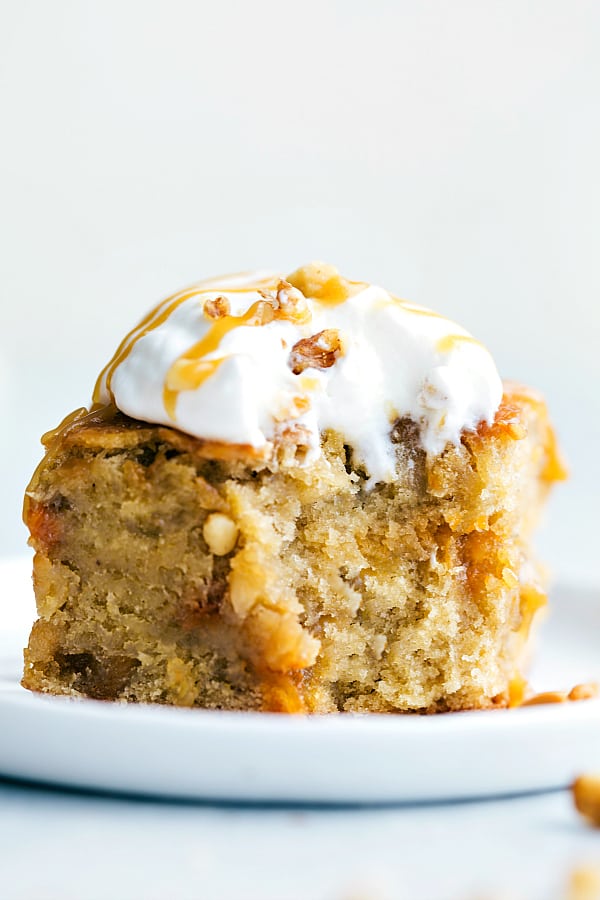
{"type": "Point", "coordinates": [50, 437]}
{"type": "Point", "coordinates": [336, 291]}
{"type": "Point", "coordinates": [158, 316]}
{"type": "Point", "coordinates": [44, 525]}
{"type": "Point", "coordinates": [408, 307]}
{"type": "Point", "coordinates": [191, 370]}
{"type": "Point", "coordinates": [323, 283]}
{"type": "Point", "coordinates": [150, 322]}
{"type": "Point", "coordinates": [555, 468]}
{"type": "Point", "coordinates": [451, 341]}
{"type": "Point", "coordinates": [517, 690]}
{"type": "Point", "coordinates": [509, 422]}
{"type": "Point", "coordinates": [545, 697]}
{"type": "Point", "coordinates": [282, 692]}
{"type": "Point", "coordinates": [520, 694]}
{"type": "Point", "coordinates": [52, 441]}
{"type": "Point", "coordinates": [575, 695]}
{"type": "Point", "coordinates": [219, 283]}
{"type": "Point", "coordinates": [532, 599]}
{"type": "Point", "coordinates": [189, 374]}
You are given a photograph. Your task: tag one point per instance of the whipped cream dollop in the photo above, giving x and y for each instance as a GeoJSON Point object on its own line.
{"type": "Point", "coordinates": [244, 358]}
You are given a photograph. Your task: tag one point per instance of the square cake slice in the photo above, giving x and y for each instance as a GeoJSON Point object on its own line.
{"type": "Point", "coordinates": [297, 565]}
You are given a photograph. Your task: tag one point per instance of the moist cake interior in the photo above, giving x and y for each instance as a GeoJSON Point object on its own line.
{"type": "Point", "coordinates": [173, 570]}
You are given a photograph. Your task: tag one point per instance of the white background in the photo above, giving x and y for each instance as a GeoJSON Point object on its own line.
{"type": "Point", "coordinates": [447, 150]}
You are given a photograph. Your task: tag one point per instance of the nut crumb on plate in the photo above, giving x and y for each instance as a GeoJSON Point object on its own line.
{"type": "Point", "coordinates": [586, 795]}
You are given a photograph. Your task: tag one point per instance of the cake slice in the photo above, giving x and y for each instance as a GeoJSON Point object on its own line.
{"type": "Point", "coordinates": [291, 495]}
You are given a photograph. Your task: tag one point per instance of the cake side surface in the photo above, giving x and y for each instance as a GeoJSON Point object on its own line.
{"type": "Point", "coordinates": [176, 570]}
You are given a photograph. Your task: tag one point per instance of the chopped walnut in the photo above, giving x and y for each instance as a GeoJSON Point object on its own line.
{"type": "Point", "coordinates": [220, 533]}
{"type": "Point", "coordinates": [586, 796]}
{"type": "Point", "coordinates": [579, 692]}
{"type": "Point", "coordinates": [216, 308]}
{"type": "Point", "coordinates": [292, 303]}
{"type": "Point", "coordinates": [318, 352]}
{"type": "Point", "coordinates": [287, 303]}
{"type": "Point", "coordinates": [406, 431]}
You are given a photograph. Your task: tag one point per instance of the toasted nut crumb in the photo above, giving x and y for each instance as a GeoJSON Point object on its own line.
{"type": "Point", "coordinates": [546, 697]}
{"type": "Point", "coordinates": [217, 308]}
{"type": "Point", "coordinates": [584, 692]}
{"type": "Point", "coordinates": [220, 533]}
{"type": "Point", "coordinates": [318, 352]}
{"type": "Point", "coordinates": [316, 278]}
{"type": "Point", "coordinates": [584, 884]}
{"type": "Point", "coordinates": [579, 692]}
{"type": "Point", "coordinates": [586, 796]}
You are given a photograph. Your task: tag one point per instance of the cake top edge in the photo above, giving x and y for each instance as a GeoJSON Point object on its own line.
{"type": "Point", "coordinates": [243, 358]}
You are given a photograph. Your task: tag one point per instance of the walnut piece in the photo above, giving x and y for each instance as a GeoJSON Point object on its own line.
{"type": "Point", "coordinates": [216, 308]}
{"type": "Point", "coordinates": [220, 533]}
{"type": "Point", "coordinates": [318, 352]}
{"type": "Point", "coordinates": [292, 304]}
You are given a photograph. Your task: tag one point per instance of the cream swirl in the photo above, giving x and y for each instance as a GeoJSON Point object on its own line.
{"type": "Point", "coordinates": [241, 358]}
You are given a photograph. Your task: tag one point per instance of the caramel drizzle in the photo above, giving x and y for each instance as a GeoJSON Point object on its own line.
{"type": "Point", "coordinates": [191, 370]}
{"type": "Point", "coordinates": [336, 291]}
{"type": "Point", "coordinates": [445, 344]}
{"type": "Point", "coordinates": [418, 310]}
{"type": "Point", "coordinates": [450, 341]}
{"type": "Point", "coordinates": [150, 322]}
{"type": "Point", "coordinates": [153, 320]}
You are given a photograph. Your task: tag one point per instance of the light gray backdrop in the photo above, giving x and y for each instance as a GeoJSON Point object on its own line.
{"type": "Point", "coordinates": [447, 150]}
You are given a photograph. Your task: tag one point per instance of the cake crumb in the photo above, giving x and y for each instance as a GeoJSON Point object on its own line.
{"type": "Point", "coordinates": [587, 691]}
{"type": "Point", "coordinates": [584, 884]}
{"type": "Point", "coordinates": [546, 697]}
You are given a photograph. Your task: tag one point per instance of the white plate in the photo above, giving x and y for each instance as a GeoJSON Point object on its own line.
{"type": "Point", "coordinates": [342, 759]}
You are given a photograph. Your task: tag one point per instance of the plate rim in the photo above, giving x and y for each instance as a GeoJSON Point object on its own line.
{"type": "Point", "coordinates": [534, 748]}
